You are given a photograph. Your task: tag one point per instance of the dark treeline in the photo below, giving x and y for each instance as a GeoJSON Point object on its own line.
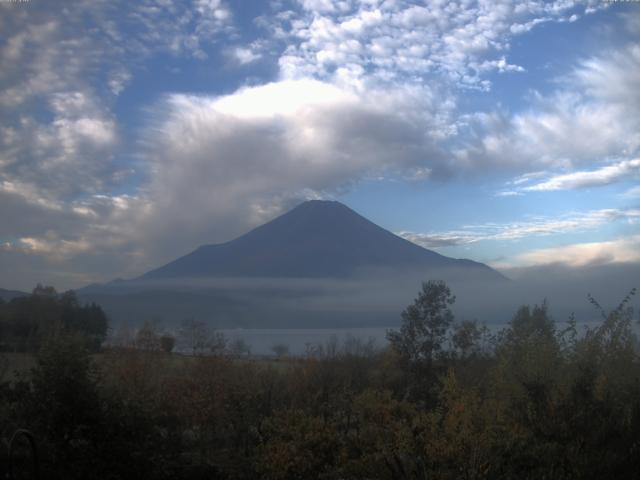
{"type": "Point", "coordinates": [446, 400]}
{"type": "Point", "coordinates": [26, 322]}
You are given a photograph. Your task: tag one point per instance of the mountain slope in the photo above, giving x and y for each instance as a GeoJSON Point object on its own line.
{"type": "Point", "coordinates": [317, 239]}
{"type": "Point", "coordinates": [8, 295]}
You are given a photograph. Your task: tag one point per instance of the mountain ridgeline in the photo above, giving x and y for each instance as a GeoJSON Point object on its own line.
{"type": "Point", "coordinates": [318, 265]}
{"type": "Point", "coordinates": [317, 239]}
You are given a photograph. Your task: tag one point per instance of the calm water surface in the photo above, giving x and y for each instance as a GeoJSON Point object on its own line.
{"type": "Point", "coordinates": [261, 341]}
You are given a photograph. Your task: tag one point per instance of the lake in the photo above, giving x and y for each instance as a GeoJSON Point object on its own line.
{"type": "Point", "coordinates": [262, 340]}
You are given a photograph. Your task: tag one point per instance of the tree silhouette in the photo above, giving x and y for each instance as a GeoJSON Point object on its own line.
{"type": "Point", "coordinates": [424, 326]}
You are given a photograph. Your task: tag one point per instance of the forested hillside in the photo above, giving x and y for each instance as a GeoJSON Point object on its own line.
{"type": "Point", "coordinates": [27, 321]}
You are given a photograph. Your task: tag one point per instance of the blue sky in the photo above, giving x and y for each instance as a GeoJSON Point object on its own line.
{"type": "Point", "coordinates": [133, 132]}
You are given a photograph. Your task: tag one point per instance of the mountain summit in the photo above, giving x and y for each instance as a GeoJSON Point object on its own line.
{"type": "Point", "coordinates": [315, 239]}
{"type": "Point", "coordinates": [356, 274]}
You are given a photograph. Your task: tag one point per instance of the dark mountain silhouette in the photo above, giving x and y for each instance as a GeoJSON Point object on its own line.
{"type": "Point", "coordinates": [319, 265]}
{"type": "Point", "coordinates": [317, 239]}
{"type": "Point", "coordinates": [7, 295]}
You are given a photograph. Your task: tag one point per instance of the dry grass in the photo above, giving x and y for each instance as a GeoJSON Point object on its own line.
{"type": "Point", "coordinates": [15, 363]}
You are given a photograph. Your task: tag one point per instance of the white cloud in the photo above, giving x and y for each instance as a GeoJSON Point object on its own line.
{"type": "Point", "coordinates": [273, 100]}
{"type": "Point", "coordinates": [532, 227]}
{"type": "Point", "coordinates": [56, 249]}
{"type": "Point", "coordinates": [91, 239]}
{"type": "Point", "coordinates": [632, 193]}
{"type": "Point", "coordinates": [594, 115]}
{"type": "Point", "coordinates": [217, 166]}
{"type": "Point", "coordinates": [606, 175]}
{"type": "Point", "coordinates": [581, 254]}
{"type": "Point", "coordinates": [397, 42]}
{"type": "Point", "coordinates": [437, 240]}
{"type": "Point", "coordinates": [612, 76]}
{"type": "Point", "coordinates": [508, 193]}
{"type": "Point", "coordinates": [527, 177]}
{"type": "Point", "coordinates": [226, 158]}
{"type": "Point", "coordinates": [418, 174]}
{"type": "Point", "coordinates": [65, 156]}
{"type": "Point", "coordinates": [185, 29]}
{"type": "Point", "coordinates": [500, 65]}
{"type": "Point", "coordinates": [118, 81]}
{"type": "Point", "coordinates": [244, 56]}
{"type": "Point", "coordinates": [60, 69]}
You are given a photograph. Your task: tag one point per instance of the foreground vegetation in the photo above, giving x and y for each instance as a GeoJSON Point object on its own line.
{"type": "Point", "coordinates": [446, 400]}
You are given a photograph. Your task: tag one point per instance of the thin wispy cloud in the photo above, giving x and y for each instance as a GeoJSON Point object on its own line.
{"type": "Point", "coordinates": [624, 170]}
{"type": "Point", "coordinates": [590, 117]}
{"type": "Point", "coordinates": [632, 193]}
{"type": "Point", "coordinates": [244, 55]}
{"type": "Point", "coordinates": [532, 227]}
{"type": "Point", "coordinates": [623, 250]}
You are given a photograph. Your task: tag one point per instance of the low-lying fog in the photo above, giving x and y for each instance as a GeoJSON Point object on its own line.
{"type": "Point", "coordinates": [373, 298]}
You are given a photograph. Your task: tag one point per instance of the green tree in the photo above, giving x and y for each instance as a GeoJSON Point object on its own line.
{"type": "Point", "coordinates": [167, 343]}
{"type": "Point", "coordinates": [466, 338]}
{"type": "Point", "coordinates": [239, 348]}
{"type": "Point", "coordinates": [64, 405]}
{"type": "Point", "coordinates": [280, 350]}
{"type": "Point", "coordinates": [30, 320]}
{"type": "Point", "coordinates": [424, 326]}
{"type": "Point", "coordinates": [195, 335]}
{"type": "Point", "coordinates": [147, 337]}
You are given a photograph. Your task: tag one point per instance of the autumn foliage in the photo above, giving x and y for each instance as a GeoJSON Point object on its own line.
{"type": "Point", "coordinates": [446, 400]}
